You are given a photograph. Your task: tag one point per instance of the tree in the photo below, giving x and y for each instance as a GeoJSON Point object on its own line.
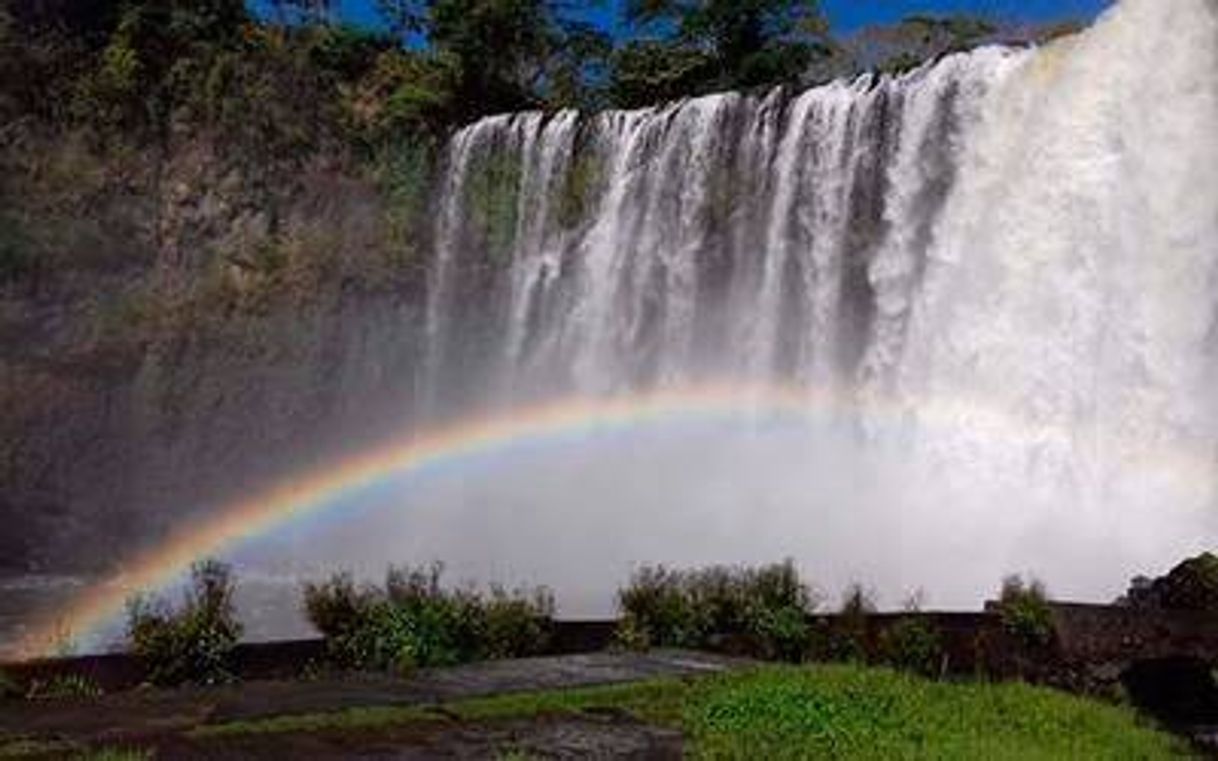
{"type": "Point", "coordinates": [917, 39]}
{"type": "Point", "coordinates": [741, 43]}
{"type": "Point", "coordinates": [1191, 585]}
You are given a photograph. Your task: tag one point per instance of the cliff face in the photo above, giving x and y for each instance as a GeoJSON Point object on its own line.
{"type": "Point", "coordinates": [177, 327]}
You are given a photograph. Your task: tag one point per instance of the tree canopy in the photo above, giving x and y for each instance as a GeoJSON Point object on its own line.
{"type": "Point", "coordinates": [296, 75]}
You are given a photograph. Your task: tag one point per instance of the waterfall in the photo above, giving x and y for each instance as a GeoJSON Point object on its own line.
{"type": "Point", "coordinates": [774, 238]}
{"type": "Point", "coordinates": [1013, 252]}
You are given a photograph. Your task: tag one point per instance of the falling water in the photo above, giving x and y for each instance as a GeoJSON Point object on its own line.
{"type": "Point", "coordinates": [1015, 249]}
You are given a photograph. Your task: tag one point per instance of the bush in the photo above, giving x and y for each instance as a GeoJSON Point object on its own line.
{"type": "Point", "coordinates": [845, 638]}
{"type": "Point", "coordinates": [912, 644]}
{"type": "Point", "coordinates": [515, 622]}
{"type": "Point", "coordinates": [415, 621]}
{"type": "Point", "coordinates": [64, 687]}
{"type": "Point", "coordinates": [1191, 585]}
{"type": "Point", "coordinates": [192, 644]}
{"type": "Point", "coordinates": [769, 606]}
{"type": "Point", "coordinates": [1024, 607]}
{"type": "Point", "coordinates": [657, 604]}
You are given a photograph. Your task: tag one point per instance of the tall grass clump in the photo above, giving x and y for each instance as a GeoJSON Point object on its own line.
{"type": "Point", "coordinates": [766, 608]}
{"type": "Point", "coordinates": [414, 620]}
{"type": "Point", "coordinates": [193, 643]}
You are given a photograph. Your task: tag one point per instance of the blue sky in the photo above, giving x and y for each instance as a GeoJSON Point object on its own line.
{"type": "Point", "coordinates": [848, 15]}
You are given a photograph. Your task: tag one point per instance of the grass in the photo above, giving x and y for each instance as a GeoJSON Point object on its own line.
{"type": "Point", "coordinates": [833, 711]}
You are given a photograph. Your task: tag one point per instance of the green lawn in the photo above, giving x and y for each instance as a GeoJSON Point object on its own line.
{"type": "Point", "coordinates": [845, 712]}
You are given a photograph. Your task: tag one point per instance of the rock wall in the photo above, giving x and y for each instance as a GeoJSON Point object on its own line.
{"type": "Point", "coordinates": [179, 326]}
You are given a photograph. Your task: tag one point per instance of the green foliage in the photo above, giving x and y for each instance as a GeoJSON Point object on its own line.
{"type": "Point", "coordinates": [403, 171]}
{"type": "Point", "coordinates": [1191, 585]}
{"type": "Point", "coordinates": [768, 605]}
{"type": "Point", "coordinates": [279, 89]}
{"type": "Point", "coordinates": [515, 623]}
{"type": "Point", "coordinates": [657, 604]}
{"type": "Point", "coordinates": [502, 48]}
{"type": "Point", "coordinates": [962, 31]}
{"type": "Point", "coordinates": [1024, 607]}
{"type": "Point", "coordinates": [850, 712]}
{"type": "Point", "coordinates": [195, 642]}
{"type": "Point", "coordinates": [650, 71]}
{"type": "Point", "coordinates": [913, 644]}
{"type": "Point", "coordinates": [845, 637]}
{"type": "Point", "coordinates": [720, 44]}
{"type": "Point", "coordinates": [64, 687]}
{"type": "Point", "coordinates": [415, 621]}
{"type": "Point", "coordinates": [630, 635]}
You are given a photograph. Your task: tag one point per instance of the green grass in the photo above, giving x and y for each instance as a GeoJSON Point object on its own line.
{"type": "Point", "coordinates": [858, 713]}
{"type": "Point", "coordinates": [848, 712]}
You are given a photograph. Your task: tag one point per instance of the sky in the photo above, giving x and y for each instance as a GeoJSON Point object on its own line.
{"type": "Point", "coordinates": [847, 16]}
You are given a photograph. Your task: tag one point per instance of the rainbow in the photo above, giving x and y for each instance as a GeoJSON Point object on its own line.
{"type": "Point", "coordinates": [307, 495]}
{"type": "Point", "coordinates": [300, 497]}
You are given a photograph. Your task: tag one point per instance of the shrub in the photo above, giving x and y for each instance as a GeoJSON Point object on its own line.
{"type": "Point", "coordinates": [1025, 611]}
{"type": "Point", "coordinates": [196, 642]}
{"type": "Point", "coordinates": [630, 635]}
{"type": "Point", "coordinates": [769, 606]}
{"type": "Point", "coordinates": [414, 621]}
{"type": "Point", "coordinates": [846, 636]}
{"type": "Point", "coordinates": [657, 603]}
{"type": "Point", "coordinates": [64, 687]}
{"type": "Point", "coordinates": [1191, 585]}
{"type": "Point", "coordinates": [516, 622]}
{"type": "Point", "coordinates": [912, 644]}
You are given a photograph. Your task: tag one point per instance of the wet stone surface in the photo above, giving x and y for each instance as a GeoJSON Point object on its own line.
{"type": "Point", "coordinates": [162, 718]}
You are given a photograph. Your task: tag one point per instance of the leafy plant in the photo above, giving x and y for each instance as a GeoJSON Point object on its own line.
{"type": "Point", "coordinates": [1025, 611]}
{"type": "Point", "coordinates": [415, 621]}
{"type": "Point", "coordinates": [912, 644]}
{"type": "Point", "coordinates": [194, 643]}
{"type": "Point", "coordinates": [769, 606]}
{"type": "Point", "coordinates": [1191, 585]}
{"type": "Point", "coordinates": [846, 636]}
{"type": "Point", "coordinates": [516, 623]}
{"type": "Point", "coordinates": [656, 602]}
